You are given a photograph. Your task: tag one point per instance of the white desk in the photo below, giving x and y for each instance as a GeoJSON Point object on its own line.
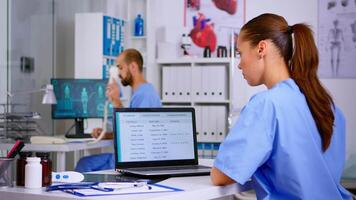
{"type": "Point", "coordinates": [198, 187]}
{"type": "Point", "coordinates": [61, 149]}
{"type": "Point", "coordinates": [195, 187]}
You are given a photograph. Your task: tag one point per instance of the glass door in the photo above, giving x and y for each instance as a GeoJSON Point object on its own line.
{"type": "Point", "coordinates": [29, 65]}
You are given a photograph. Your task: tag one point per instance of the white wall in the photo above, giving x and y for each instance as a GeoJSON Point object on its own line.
{"type": "Point", "coordinates": [293, 11]}
{"type": "Point", "coordinates": [64, 35]}
{"type": "Point", "coordinates": [306, 11]}
{"type": "Point", "coordinates": [64, 28]}
{"type": "Point", "coordinates": [3, 47]}
{"type": "Point", "coordinates": [343, 92]}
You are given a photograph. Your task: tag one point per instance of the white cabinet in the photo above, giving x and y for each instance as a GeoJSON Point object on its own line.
{"type": "Point", "coordinates": [98, 40]}
{"type": "Point", "coordinates": [205, 84]}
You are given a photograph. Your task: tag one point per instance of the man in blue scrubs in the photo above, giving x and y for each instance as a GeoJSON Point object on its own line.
{"type": "Point", "coordinates": [289, 140]}
{"type": "Point", "coordinates": [130, 64]}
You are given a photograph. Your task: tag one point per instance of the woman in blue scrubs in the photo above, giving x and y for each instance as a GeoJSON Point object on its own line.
{"type": "Point", "coordinates": [289, 139]}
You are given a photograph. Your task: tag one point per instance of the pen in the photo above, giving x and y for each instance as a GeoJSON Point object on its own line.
{"type": "Point", "coordinates": [15, 149]}
{"type": "Point", "coordinates": [72, 191]}
{"type": "Point", "coordinates": [72, 186]}
{"type": "Point", "coordinates": [123, 185]}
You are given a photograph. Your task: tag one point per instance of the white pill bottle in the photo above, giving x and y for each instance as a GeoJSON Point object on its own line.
{"type": "Point", "coordinates": [33, 173]}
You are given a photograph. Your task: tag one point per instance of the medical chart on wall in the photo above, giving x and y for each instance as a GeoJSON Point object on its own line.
{"type": "Point", "coordinates": [337, 38]}
{"type": "Point", "coordinates": [212, 24]}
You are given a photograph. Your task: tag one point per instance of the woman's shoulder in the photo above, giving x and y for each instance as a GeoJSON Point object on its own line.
{"type": "Point", "coordinates": [286, 90]}
{"type": "Point", "coordinates": [261, 101]}
{"type": "Point", "coordinates": [263, 96]}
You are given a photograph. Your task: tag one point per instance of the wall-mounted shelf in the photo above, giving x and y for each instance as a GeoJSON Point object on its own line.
{"type": "Point", "coordinates": [138, 37]}
{"type": "Point", "coordinates": [196, 102]}
{"type": "Point", "coordinates": [188, 60]}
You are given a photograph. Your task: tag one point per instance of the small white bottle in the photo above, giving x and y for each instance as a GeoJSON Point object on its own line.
{"type": "Point", "coordinates": [33, 173]}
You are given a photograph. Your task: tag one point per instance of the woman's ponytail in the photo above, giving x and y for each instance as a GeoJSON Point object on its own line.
{"type": "Point", "coordinates": [303, 69]}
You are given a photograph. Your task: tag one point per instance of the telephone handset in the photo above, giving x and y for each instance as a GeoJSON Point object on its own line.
{"type": "Point", "coordinates": [114, 76]}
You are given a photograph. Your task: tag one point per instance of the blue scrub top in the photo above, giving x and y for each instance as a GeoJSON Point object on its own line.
{"type": "Point", "coordinates": [145, 96]}
{"type": "Point", "coordinates": [276, 143]}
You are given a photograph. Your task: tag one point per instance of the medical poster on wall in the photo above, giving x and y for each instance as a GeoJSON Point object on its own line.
{"type": "Point", "coordinates": [337, 38]}
{"type": "Point", "coordinates": [212, 25]}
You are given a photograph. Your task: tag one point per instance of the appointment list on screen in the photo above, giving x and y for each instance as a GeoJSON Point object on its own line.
{"type": "Point", "coordinates": [154, 136]}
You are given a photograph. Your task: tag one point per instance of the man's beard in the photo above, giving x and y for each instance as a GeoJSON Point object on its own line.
{"type": "Point", "coordinates": [126, 81]}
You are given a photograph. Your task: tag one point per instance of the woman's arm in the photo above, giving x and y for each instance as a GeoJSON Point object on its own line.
{"type": "Point", "coordinates": [219, 178]}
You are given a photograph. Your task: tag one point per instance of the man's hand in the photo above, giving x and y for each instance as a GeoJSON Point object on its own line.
{"type": "Point", "coordinates": [113, 94]}
{"type": "Point", "coordinates": [219, 178]}
{"type": "Point", "coordinates": [97, 131]}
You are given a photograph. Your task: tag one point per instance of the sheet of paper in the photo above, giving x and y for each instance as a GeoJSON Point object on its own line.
{"type": "Point", "coordinates": [135, 190]}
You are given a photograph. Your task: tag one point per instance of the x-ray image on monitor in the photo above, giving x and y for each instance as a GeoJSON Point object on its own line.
{"type": "Point", "coordinates": [79, 99]}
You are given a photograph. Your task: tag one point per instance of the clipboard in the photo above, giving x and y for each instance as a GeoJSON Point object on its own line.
{"type": "Point", "coordinates": [154, 188]}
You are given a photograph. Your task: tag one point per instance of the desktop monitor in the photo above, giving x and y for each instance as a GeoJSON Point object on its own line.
{"type": "Point", "coordinates": [79, 99]}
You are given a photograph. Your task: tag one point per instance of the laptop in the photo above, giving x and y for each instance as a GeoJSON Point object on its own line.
{"type": "Point", "coordinates": [156, 142]}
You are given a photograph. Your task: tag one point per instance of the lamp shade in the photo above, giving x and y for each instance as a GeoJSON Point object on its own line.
{"type": "Point", "coordinates": [49, 97]}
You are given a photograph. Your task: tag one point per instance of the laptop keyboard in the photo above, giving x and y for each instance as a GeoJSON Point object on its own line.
{"type": "Point", "coordinates": [92, 177]}
{"type": "Point", "coordinates": [89, 177]}
{"type": "Point", "coordinates": [165, 168]}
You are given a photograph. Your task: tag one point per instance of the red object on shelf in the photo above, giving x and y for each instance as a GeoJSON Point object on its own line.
{"type": "Point", "coordinates": [230, 6]}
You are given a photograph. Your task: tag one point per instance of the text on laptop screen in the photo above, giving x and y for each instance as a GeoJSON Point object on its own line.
{"type": "Point", "coordinates": [154, 136]}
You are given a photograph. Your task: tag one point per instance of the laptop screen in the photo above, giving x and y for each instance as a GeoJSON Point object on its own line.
{"type": "Point", "coordinates": [152, 135]}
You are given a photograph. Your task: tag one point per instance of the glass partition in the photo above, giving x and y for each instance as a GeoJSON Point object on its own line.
{"type": "Point", "coordinates": [3, 63]}
{"type": "Point", "coordinates": [37, 44]}
{"type": "Point", "coordinates": [26, 66]}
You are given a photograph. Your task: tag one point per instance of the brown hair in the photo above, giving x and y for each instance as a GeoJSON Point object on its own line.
{"type": "Point", "coordinates": [303, 63]}
{"type": "Point", "coordinates": [132, 55]}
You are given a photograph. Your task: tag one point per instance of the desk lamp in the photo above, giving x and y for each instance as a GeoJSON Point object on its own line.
{"type": "Point", "coordinates": [48, 97]}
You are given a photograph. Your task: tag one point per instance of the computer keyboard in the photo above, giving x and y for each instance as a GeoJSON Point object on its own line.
{"type": "Point", "coordinates": [79, 139]}
{"type": "Point", "coordinates": [78, 136]}
{"type": "Point", "coordinates": [92, 177]}
{"type": "Point", "coordinates": [41, 139]}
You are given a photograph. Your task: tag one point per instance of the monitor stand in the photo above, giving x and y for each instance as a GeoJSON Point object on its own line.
{"type": "Point", "coordinates": [79, 130]}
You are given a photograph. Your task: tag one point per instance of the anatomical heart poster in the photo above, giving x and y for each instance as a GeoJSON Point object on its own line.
{"type": "Point", "coordinates": [213, 25]}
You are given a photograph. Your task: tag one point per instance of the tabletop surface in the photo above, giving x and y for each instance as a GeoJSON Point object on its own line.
{"type": "Point", "coordinates": [66, 147]}
{"type": "Point", "coordinates": [194, 187]}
